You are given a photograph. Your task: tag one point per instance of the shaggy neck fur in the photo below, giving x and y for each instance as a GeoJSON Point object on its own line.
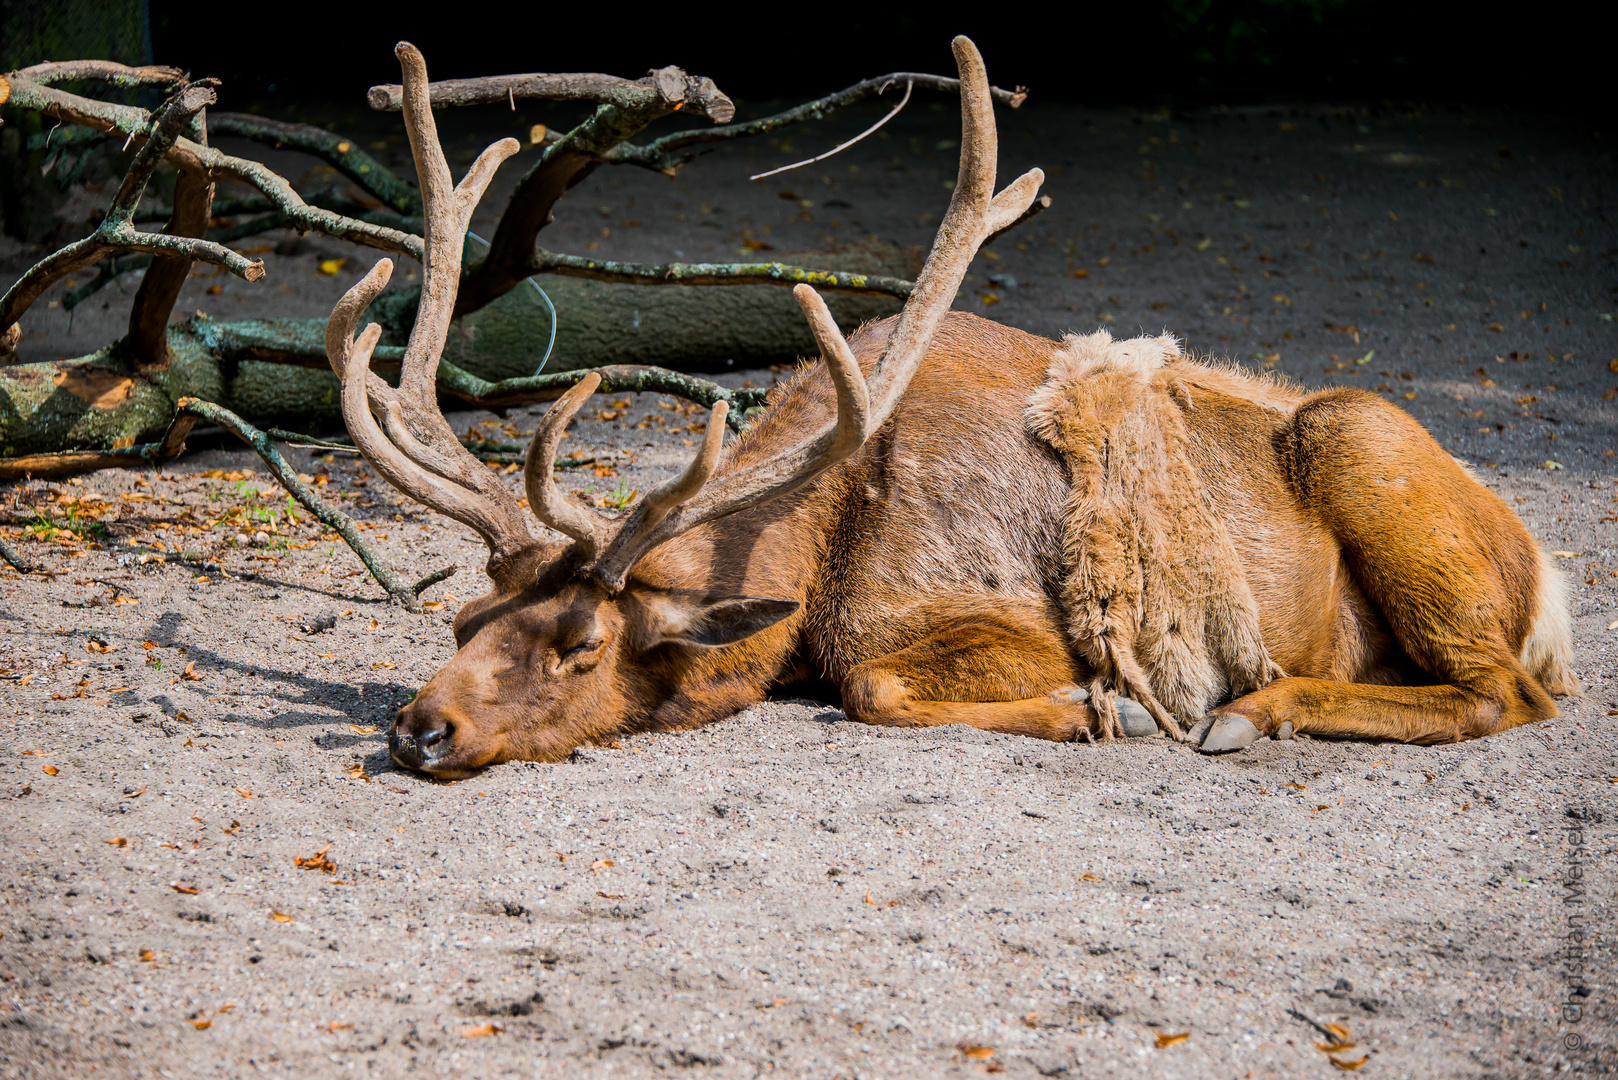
{"type": "Point", "coordinates": [1156, 600]}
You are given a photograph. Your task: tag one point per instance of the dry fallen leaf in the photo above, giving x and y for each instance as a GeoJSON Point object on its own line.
{"type": "Point", "coordinates": [317, 861]}
{"type": "Point", "coordinates": [611, 895]}
{"type": "Point", "coordinates": [235, 826]}
{"type": "Point", "coordinates": [599, 864]}
{"type": "Point", "coordinates": [200, 1025]}
{"type": "Point", "coordinates": [51, 770]}
{"type": "Point", "coordinates": [280, 917]}
{"type": "Point", "coordinates": [246, 793]}
{"type": "Point", "coordinates": [148, 956]}
{"type": "Point", "coordinates": [482, 1029]}
{"type": "Point", "coordinates": [362, 729]}
{"type": "Point", "coordinates": [1349, 1066]}
{"type": "Point", "coordinates": [329, 267]}
{"type": "Point", "coordinates": [1338, 1032]}
{"type": "Point", "coordinates": [334, 1026]}
{"type": "Point", "coordinates": [190, 672]}
{"type": "Point", "coordinates": [187, 889]}
{"type": "Point", "coordinates": [383, 664]}
{"type": "Point", "coordinates": [981, 1053]}
{"type": "Point", "coordinates": [1088, 877]}
{"type": "Point", "coordinates": [356, 771]}
{"type": "Point", "coordinates": [117, 841]}
{"type": "Point", "coordinates": [97, 647]}
{"type": "Point", "coordinates": [1170, 1040]}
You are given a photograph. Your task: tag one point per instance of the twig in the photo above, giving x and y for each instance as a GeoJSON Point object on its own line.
{"type": "Point", "coordinates": [669, 87]}
{"type": "Point", "coordinates": [770, 273]}
{"type": "Point", "coordinates": [840, 147]}
{"type": "Point", "coordinates": [17, 561]}
{"type": "Point", "coordinates": [662, 154]}
{"type": "Point", "coordinates": [1332, 1035]}
{"type": "Point", "coordinates": [434, 578]}
{"type": "Point", "coordinates": [344, 154]}
{"type": "Point", "coordinates": [342, 524]}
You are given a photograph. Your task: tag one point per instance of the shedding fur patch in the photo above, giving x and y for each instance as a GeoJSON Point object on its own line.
{"type": "Point", "coordinates": [1156, 600]}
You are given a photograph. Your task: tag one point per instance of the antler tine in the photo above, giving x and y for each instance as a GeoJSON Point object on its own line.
{"type": "Point", "coordinates": [547, 501]}
{"type": "Point", "coordinates": [413, 447]}
{"type": "Point", "coordinates": [974, 214]}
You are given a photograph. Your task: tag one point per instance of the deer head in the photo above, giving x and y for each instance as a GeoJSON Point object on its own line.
{"type": "Point", "coordinates": [577, 641]}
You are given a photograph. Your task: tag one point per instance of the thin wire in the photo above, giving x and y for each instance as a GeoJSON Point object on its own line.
{"type": "Point", "coordinates": [550, 344]}
{"type": "Point", "coordinates": [837, 149]}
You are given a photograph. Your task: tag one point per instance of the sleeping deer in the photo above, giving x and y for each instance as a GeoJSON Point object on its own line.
{"type": "Point", "coordinates": [955, 522]}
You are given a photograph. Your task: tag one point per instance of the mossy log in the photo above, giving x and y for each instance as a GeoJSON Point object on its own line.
{"type": "Point", "coordinates": [274, 370]}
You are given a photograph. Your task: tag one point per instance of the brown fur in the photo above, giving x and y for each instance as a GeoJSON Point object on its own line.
{"type": "Point", "coordinates": [978, 555]}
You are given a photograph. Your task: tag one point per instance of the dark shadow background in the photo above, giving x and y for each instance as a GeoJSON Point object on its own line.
{"type": "Point", "coordinates": [1546, 57]}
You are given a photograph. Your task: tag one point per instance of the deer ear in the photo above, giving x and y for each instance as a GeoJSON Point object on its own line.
{"type": "Point", "coordinates": [688, 619]}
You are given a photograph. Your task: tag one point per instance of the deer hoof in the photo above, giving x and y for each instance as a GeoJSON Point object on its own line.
{"type": "Point", "coordinates": [1229, 733]}
{"type": "Point", "coordinates": [1284, 731]}
{"type": "Point", "coordinates": [1134, 720]}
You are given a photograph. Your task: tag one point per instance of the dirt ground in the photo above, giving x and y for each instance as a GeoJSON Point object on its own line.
{"type": "Point", "coordinates": [211, 868]}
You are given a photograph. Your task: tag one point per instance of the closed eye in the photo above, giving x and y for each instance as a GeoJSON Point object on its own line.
{"type": "Point", "coordinates": [581, 649]}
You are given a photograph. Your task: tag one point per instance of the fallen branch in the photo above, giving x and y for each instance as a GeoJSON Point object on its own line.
{"type": "Point", "coordinates": [105, 71]}
{"type": "Point", "coordinates": [664, 154]}
{"type": "Point", "coordinates": [670, 88]}
{"type": "Point", "coordinates": [117, 231]}
{"type": "Point", "coordinates": [136, 125]}
{"type": "Point", "coordinates": [17, 561]}
{"type": "Point", "coordinates": [771, 273]}
{"type": "Point", "coordinates": [343, 154]}
{"type": "Point", "coordinates": [407, 595]}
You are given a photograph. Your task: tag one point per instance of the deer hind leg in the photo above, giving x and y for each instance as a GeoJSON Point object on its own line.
{"type": "Point", "coordinates": [1452, 570]}
{"type": "Point", "coordinates": [990, 671]}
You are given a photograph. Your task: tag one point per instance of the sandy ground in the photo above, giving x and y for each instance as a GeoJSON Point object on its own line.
{"type": "Point", "coordinates": [211, 868]}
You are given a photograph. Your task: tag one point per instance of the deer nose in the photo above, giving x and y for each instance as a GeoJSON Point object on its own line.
{"type": "Point", "coordinates": [417, 740]}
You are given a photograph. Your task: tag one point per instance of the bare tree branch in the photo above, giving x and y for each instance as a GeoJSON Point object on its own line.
{"type": "Point", "coordinates": [341, 523]}
{"type": "Point", "coordinates": [343, 154]}
{"type": "Point", "coordinates": [135, 124]}
{"type": "Point", "coordinates": [664, 153]}
{"type": "Point", "coordinates": [10, 555]}
{"type": "Point", "coordinates": [101, 71]}
{"type": "Point", "coordinates": [117, 231]}
{"type": "Point", "coordinates": [670, 88]}
{"type": "Point", "coordinates": [678, 273]}
{"type": "Point", "coordinates": [160, 286]}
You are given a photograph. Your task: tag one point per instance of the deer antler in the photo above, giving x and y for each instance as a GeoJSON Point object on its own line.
{"type": "Point", "coordinates": [413, 447]}
{"type": "Point", "coordinates": [611, 548]}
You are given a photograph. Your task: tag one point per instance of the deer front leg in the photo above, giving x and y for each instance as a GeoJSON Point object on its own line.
{"type": "Point", "coordinates": [990, 672]}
